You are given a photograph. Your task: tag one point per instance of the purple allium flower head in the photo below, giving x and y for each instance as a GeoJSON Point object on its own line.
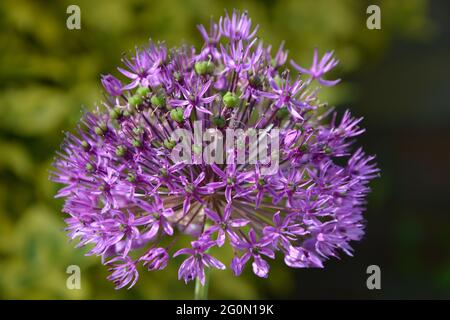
{"type": "Point", "coordinates": [130, 200]}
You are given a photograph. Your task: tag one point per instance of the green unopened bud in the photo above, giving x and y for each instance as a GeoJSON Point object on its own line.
{"type": "Point", "coordinates": [101, 128]}
{"type": "Point", "coordinates": [136, 143]}
{"type": "Point", "coordinates": [327, 149]}
{"type": "Point", "coordinates": [204, 67]}
{"type": "Point", "coordinates": [135, 100]}
{"type": "Point", "coordinates": [131, 177]}
{"type": "Point", "coordinates": [169, 144]}
{"type": "Point", "coordinates": [120, 151]}
{"type": "Point", "coordinates": [89, 167]}
{"type": "Point", "coordinates": [231, 100]}
{"type": "Point", "coordinates": [210, 67]}
{"type": "Point", "coordinates": [282, 113]}
{"type": "Point", "coordinates": [85, 145]}
{"type": "Point", "coordinates": [98, 131]}
{"type": "Point", "coordinates": [143, 91]}
{"type": "Point", "coordinates": [200, 67]}
{"type": "Point", "coordinates": [219, 122]}
{"type": "Point", "coordinates": [158, 100]}
{"type": "Point", "coordinates": [177, 114]}
{"type": "Point", "coordinates": [115, 113]}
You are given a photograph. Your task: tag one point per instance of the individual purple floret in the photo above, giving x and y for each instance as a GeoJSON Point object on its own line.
{"type": "Point", "coordinates": [112, 85]}
{"type": "Point", "coordinates": [319, 68]}
{"type": "Point", "coordinates": [123, 272]}
{"type": "Point", "coordinates": [253, 248]}
{"type": "Point", "coordinates": [194, 266]}
{"type": "Point", "coordinates": [130, 201]}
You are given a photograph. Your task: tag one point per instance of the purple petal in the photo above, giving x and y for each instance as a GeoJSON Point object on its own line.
{"type": "Point", "coordinates": [203, 110]}
{"type": "Point", "coordinates": [228, 194]}
{"type": "Point", "coordinates": [238, 223]}
{"type": "Point", "coordinates": [300, 69]}
{"type": "Point", "coordinates": [260, 267]}
{"type": "Point", "coordinates": [238, 264]}
{"type": "Point", "coordinates": [186, 205]}
{"type": "Point", "coordinates": [187, 111]}
{"type": "Point", "coordinates": [127, 74]}
{"type": "Point", "coordinates": [167, 227]}
{"type": "Point", "coordinates": [212, 215]}
{"type": "Point", "coordinates": [328, 83]}
{"type": "Point", "coordinates": [220, 237]}
{"type": "Point", "coordinates": [213, 262]}
{"type": "Point", "coordinates": [184, 251]}
{"type": "Point", "coordinates": [178, 103]}
{"type": "Point", "coordinates": [217, 170]}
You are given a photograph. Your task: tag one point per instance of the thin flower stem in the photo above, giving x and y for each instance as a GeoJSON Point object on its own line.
{"type": "Point", "coordinates": [201, 292]}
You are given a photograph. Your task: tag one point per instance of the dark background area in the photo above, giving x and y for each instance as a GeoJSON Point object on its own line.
{"type": "Point", "coordinates": [405, 101]}
{"type": "Point", "coordinates": [397, 78]}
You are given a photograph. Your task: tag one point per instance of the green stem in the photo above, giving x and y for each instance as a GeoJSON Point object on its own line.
{"type": "Point", "coordinates": [201, 292]}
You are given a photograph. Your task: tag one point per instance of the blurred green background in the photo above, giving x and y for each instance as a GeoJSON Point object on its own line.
{"type": "Point", "coordinates": [396, 77]}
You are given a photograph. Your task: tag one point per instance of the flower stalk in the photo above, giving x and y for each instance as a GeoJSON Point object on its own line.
{"type": "Point", "coordinates": [201, 291]}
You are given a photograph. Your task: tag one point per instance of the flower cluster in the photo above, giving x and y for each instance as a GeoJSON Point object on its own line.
{"type": "Point", "coordinates": [130, 202]}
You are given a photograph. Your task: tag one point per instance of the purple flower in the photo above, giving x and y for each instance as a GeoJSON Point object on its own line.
{"type": "Point", "coordinates": [192, 190]}
{"type": "Point", "coordinates": [237, 27]}
{"type": "Point", "coordinates": [193, 98]}
{"type": "Point", "coordinates": [123, 272]}
{"type": "Point", "coordinates": [120, 227]}
{"type": "Point", "coordinates": [283, 232]}
{"type": "Point", "coordinates": [155, 259]}
{"type": "Point", "coordinates": [253, 248]}
{"type": "Point", "coordinates": [130, 200]}
{"type": "Point", "coordinates": [239, 58]}
{"type": "Point", "coordinates": [299, 257]}
{"type": "Point", "coordinates": [284, 96]}
{"type": "Point", "coordinates": [211, 40]}
{"type": "Point", "coordinates": [158, 217]}
{"type": "Point", "coordinates": [230, 180]}
{"type": "Point", "coordinates": [289, 184]}
{"type": "Point", "coordinates": [112, 85]}
{"type": "Point", "coordinates": [223, 225]}
{"type": "Point", "coordinates": [318, 69]}
{"type": "Point", "coordinates": [194, 266]}
{"type": "Point", "coordinates": [143, 67]}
